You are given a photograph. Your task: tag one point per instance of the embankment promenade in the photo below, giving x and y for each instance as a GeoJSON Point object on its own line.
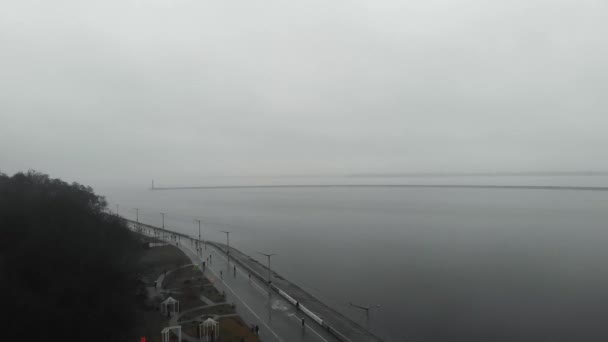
{"type": "Point", "coordinates": [333, 322]}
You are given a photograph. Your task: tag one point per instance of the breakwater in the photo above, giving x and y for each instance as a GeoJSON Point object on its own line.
{"type": "Point", "coordinates": [396, 186]}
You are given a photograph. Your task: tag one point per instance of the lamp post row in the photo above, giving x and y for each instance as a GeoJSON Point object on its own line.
{"type": "Point", "coordinates": [365, 308]}
{"type": "Point", "coordinates": [227, 243]}
{"type": "Point", "coordinates": [198, 246]}
{"type": "Point", "coordinates": [163, 221]}
{"type": "Point", "coordinates": [269, 272]}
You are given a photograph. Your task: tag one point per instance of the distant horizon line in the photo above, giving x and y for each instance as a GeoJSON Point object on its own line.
{"type": "Point", "coordinates": [417, 174]}
{"type": "Point", "coordinates": [498, 173]}
{"type": "Point", "coordinates": [409, 174]}
{"type": "Point", "coordinates": [448, 186]}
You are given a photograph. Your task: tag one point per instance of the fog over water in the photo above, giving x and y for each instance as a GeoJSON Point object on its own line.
{"type": "Point", "coordinates": [122, 91]}
{"type": "Point", "coordinates": [445, 264]}
{"type": "Point", "coordinates": [115, 93]}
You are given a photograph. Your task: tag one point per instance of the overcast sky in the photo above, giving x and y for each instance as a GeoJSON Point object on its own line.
{"type": "Point", "coordinates": [126, 90]}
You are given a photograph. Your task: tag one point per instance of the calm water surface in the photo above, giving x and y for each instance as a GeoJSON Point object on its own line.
{"type": "Point", "coordinates": [444, 264]}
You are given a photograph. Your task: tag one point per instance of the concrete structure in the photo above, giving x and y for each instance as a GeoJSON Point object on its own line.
{"type": "Point", "coordinates": [166, 333]}
{"type": "Point", "coordinates": [209, 329]}
{"type": "Point", "coordinates": [274, 309]}
{"type": "Point", "coordinates": [169, 307]}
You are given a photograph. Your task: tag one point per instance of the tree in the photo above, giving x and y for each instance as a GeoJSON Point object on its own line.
{"type": "Point", "coordinates": [67, 266]}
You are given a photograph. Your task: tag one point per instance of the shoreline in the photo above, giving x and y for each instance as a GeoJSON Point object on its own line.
{"type": "Point", "coordinates": [335, 323]}
{"type": "Point", "coordinates": [167, 272]}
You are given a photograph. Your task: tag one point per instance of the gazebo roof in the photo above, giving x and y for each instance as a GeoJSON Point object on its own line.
{"type": "Point", "coordinates": [167, 329]}
{"type": "Point", "coordinates": [209, 321]}
{"type": "Point", "coordinates": [170, 300]}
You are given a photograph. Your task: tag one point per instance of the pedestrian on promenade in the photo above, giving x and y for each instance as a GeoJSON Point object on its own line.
{"type": "Point", "coordinates": [303, 323]}
{"type": "Point", "coordinates": [235, 271]}
{"type": "Point", "coordinates": [297, 305]}
{"type": "Point", "coordinates": [250, 277]}
{"type": "Point", "coordinates": [257, 330]}
{"type": "Point", "coordinates": [221, 275]}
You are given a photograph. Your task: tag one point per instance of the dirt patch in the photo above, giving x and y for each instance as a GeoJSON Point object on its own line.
{"type": "Point", "coordinates": [185, 276]}
{"type": "Point", "coordinates": [213, 294]}
{"type": "Point", "coordinates": [187, 284]}
{"type": "Point", "coordinates": [232, 329]}
{"type": "Point", "coordinates": [188, 301]}
{"type": "Point", "coordinates": [155, 261]}
{"type": "Point", "coordinates": [222, 309]}
{"type": "Point", "coordinates": [190, 329]}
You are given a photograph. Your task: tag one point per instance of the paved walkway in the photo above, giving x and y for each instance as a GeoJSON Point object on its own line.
{"type": "Point", "coordinates": [351, 330]}
{"type": "Point", "coordinates": [277, 319]}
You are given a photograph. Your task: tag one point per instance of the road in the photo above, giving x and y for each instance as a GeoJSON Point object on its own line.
{"type": "Point", "coordinates": [278, 320]}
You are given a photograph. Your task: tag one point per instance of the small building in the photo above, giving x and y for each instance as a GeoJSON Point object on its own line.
{"type": "Point", "coordinates": [209, 329]}
{"type": "Point", "coordinates": [169, 307]}
{"type": "Point", "coordinates": [166, 333]}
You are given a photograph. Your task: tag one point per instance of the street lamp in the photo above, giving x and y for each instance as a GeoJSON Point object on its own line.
{"type": "Point", "coordinates": [227, 243]}
{"type": "Point", "coordinates": [269, 272]}
{"type": "Point", "coordinates": [367, 309]}
{"type": "Point", "coordinates": [199, 235]}
{"type": "Point", "coordinates": [163, 215]}
{"type": "Point", "coordinates": [137, 216]}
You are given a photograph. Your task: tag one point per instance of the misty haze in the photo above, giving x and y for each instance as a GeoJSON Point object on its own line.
{"type": "Point", "coordinates": [304, 171]}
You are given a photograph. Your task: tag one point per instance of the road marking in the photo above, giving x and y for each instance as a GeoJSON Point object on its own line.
{"type": "Point", "coordinates": [242, 301]}
{"type": "Point", "coordinates": [239, 298]}
{"type": "Point", "coordinates": [307, 325]}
